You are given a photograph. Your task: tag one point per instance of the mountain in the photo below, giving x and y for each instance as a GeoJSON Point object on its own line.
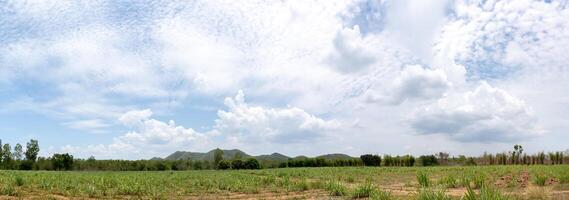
{"type": "Point", "coordinates": [273, 157]}
{"type": "Point", "coordinates": [335, 156]}
{"type": "Point", "coordinates": [230, 154]}
{"type": "Point", "coordinates": [184, 155]}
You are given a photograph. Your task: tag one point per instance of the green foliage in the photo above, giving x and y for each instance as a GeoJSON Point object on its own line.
{"type": "Point", "coordinates": [223, 165]}
{"type": "Point", "coordinates": [18, 151]}
{"type": "Point", "coordinates": [486, 193]}
{"type": "Point", "coordinates": [237, 164]}
{"type": "Point", "coordinates": [336, 189]}
{"type": "Point", "coordinates": [217, 156]}
{"type": "Point", "coordinates": [363, 191]}
{"type": "Point", "coordinates": [429, 160]}
{"type": "Point", "coordinates": [423, 179]}
{"type": "Point", "coordinates": [479, 181]}
{"type": "Point", "coordinates": [252, 163]}
{"type": "Point", "coordinates": [32, 150]}
{"type": "Point", "coordinates": [371, 160]}
{"type": "Point", "coordinates": [449, 181]}
{"type": "Point", "coordinates": [19, 181]}
{"type": "Point", "coordinates": [539, 180]}
{"type": "Point", "coordinates": [432, 194]}
{"type": "Point", "coordinates": [62, 161]}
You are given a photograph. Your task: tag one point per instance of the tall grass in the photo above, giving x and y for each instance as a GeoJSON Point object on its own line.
{"type": "Point", "coordinates": [432, 194]}
{"type": "Point", "coordinates": [423, 179]}
{"type": "Point", "coordinates": [336, 189]}
{"type": "Point", "coordinates": [486, 193]}
{"type": "Point", "coordinates": [539, 180]}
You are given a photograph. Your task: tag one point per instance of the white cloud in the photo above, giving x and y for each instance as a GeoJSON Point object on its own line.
{"type": "Point", "coordinates": [240, 125]}
{"type": "Point", "coordinates": [414, 83]}
{"type": "Point", "coordinates": [350, 53]}
{"type": "Point", "coordinates": [486, 114]}
{"type": "Point", "coordinates": [257, 124]}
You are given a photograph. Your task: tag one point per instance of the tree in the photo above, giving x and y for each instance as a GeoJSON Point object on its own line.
{"type": "Point", "coordinates": [62, 161]}
{"type": "Point", "coordinates": [237, 164]}
{"type": "Point", "coordinates": [371, 160]}
{"type": "Point", "coordinates": [18, 152]}
{"type": "Point", "coordinates": [1, 152]}
{"type": "Point", "coordinates": [7, 156]}
{"type": "Point", "coordinates": [429, 160]}
{"type": "Point", "coordinates": [217, 156]}
{"type": "Point", "coordinates": [32, 150]}
{"type": "Point", "coordinates": [252, 163]}
{"type": "Point", "coordinates": [516, 153]}
{"type": "Point", "coordinates": [223, 165]}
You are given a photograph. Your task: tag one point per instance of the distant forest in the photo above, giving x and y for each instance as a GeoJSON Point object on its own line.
{"type": "Point", "coordinates": [18, 158]}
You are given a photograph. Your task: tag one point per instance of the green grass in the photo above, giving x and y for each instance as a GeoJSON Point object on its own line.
{"type": "Point", "coordinates": [343, 182]}
{"type": "Point", "coordinates": [539, 180]}
{"type": "Point", "coordinates": [484, 193]}
{"type": "Point", "coordinates": [423, 179]}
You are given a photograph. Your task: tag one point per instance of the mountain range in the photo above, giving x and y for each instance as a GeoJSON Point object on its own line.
{"type": "Point", "coordinates": [236, 153]}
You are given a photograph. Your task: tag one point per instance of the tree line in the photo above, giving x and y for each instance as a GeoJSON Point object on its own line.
{"type": "Point", "coordinates": [18, 158]}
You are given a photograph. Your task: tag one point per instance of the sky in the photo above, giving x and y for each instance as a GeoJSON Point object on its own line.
{"type": "Point", "coordinates": [142, 79]}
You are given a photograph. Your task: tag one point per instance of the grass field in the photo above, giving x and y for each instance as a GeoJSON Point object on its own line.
{"type": "Point", "coordinates": [508, 182]}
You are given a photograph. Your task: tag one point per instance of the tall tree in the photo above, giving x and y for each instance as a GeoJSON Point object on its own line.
{"type": "Point", "coordinates": [217, 156]}
{"type": "Point", "coordinates": [18, 151]}
{"type": "Point", "coordinates": [7, 156]}
{"type": "Point", "coordinates": [1, 152]}
{"type": "Point", "coordinates": [32, 150]}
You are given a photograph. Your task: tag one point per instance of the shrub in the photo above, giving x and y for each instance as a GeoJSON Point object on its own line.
{"type": "Point", "coordinates": [223, 165]}
{"type": "Point", "coordinates": [19, 181]}
{"type": "Point", "coordinates": [423, 179]}
{"type": "Point", "coordinates": [237, 164]}
{"type": "Point", "coordinates": [252, 163]}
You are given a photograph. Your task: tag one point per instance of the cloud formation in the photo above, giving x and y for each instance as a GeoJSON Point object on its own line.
{"type": "Point", "coordinates": [486, 114]}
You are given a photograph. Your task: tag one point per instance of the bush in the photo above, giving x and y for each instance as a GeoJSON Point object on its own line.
{"type": "Point", "coordinates": [19, 181]}
{"type": "Point", "coordinates": [223, 165]}
{"type": "Point", "coordinates": [237, 164]}
{"type": "Point", "coordinates": [252, 163]}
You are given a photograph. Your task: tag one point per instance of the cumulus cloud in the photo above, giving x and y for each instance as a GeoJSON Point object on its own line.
{"type": "Point", "coordinates": [350, 53]}
{"type": "Point", "coordinates": [486, 114]}
{"type": "Point", "coordinates": [240, 124]}
{"type": "Point", "coordinates": [414, 83]}
{"type": "Point", "coordinates": [286, 125]}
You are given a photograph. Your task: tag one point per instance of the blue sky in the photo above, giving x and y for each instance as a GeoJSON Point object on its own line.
{"type": "Point", "coordinates": [139, 79]}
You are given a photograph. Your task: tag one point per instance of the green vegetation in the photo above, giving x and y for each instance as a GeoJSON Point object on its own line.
{"type": "Point", "coordinates": [341, 182]}
{"type": "Point", "coordinates": [423, 179]}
